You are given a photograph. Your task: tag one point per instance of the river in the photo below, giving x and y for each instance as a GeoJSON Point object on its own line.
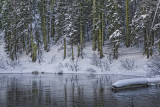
{"type": "Point", "coordinates": [72, 90]}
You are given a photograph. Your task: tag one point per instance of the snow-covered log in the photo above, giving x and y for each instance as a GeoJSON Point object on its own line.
{"type": "Point", "coordinates": [153, 81]}
{"type": "Point", "coordinates": [129, 83]}
{"type": "Point", "coordinates": [135, 82]}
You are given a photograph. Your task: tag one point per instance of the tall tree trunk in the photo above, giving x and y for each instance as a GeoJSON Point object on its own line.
{"type": "Point", "coordinates": [145, 41]}
{"type": "Point", "coordinates": [52, 3]}
{"type": "Point", "coordinates": [32, 44]}
{"type": "Point", "coordinates": [127, 24]}
{"type": "Point", "coordinates": [103, 22]}
{"type": "Point", "coordinates": [72, 53]}
{"type": "Point", "coordinates": [44, 28]}
{"type": "Point", "coordinates": [64, 47]}
{"type": "Point", "coordinates": [100, 37]}
{"type": "Point", "coordinates": [94, 28]}
{"type": "Point", "coordinates": [78, 49]}
{"type": "Point", "coordinates": [52, 20]}
{"type": "Point", "coordinates": [34, 57]}
{"type": "Point", "coordinates": [44, 33]}
{"type": "Point", "coordinates": [52, 27]}
{"type": "Point", "coordinates": [81, 31]}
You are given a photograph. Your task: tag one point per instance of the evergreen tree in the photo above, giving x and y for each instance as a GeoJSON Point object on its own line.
{"type": "Point", "coordinates": [35, 25]}
{"type": "Point", "coordinates": [114, 25]}
{"type": "Point", "coordinates": [1, 6]}
{"type": "Point", "coordinates": [141, 25]}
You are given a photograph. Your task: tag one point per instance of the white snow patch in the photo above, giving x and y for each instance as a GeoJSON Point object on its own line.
{"type": "Point", "coordinates": [136, 81]}
{"type": "Point", "coordinates": [128, 82]}
{"type": "Point", "coordinates": [115, 34]}
{"type": "Point", "coordinates": [144, 16]}
{"type": "Point", "coordinates": [53, 62]}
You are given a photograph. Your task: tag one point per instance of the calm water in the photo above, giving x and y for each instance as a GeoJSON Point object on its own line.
{"type": "Point", "coordinates": [50, 90]}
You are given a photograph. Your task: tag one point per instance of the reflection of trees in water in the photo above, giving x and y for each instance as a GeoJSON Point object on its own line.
{"type": "Point", "coordinates": [95, 94]}
{"type": "Point", "coordinates": [19, 95]}
{"type": "Point", "coordinates": [16, 96]}
{"type": "Point", "coordinates": [75, 93]}
{"type": "Point", "coordinates": [77, 96]}
{"type": "Point", "coordinates": [63, 91]}
{"type": "Point", "coordinates": [101, 94]}
{"type": "Point", "coordinates": [65, 94]}
{"type": "Point", "coordinates": [34, 93]}
{"type": "Point", "coordinates": [98, 93]}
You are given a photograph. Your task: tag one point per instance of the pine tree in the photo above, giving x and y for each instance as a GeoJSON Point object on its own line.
{"type": "Point", "coordinates": [60, 11]}
{"type": "Point", "coordinates": [141, 25]}
{"type": "Point", "coordinates": [14, 24]}
{"type": "Point", "coordinates": [114, 25]}
{"type": "Point", "coordinates": [1, 5]}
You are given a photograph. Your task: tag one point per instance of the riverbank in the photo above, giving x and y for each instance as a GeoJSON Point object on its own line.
{"type": "Point", "coordinates": [130, 62]}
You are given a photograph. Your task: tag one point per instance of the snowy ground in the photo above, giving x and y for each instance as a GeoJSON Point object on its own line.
{"type": "Point", "coordinates": [53, 62]}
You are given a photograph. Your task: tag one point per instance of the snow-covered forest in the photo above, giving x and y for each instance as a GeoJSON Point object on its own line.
{"type": "Point", "coordinates": [95, 36]}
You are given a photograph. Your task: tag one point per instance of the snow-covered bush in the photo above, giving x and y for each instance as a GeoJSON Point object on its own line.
{"type": "Point", "coordinates": [13, 64]}
{"type": "Point", "coordinates": [67, 65]}
{"type": "Point", "coordinates": [110, 57]}
{"type": "Point", "coordinates": [128, 64]}
{"type": "Point", "coordinates": [2, 64]}
{"type": "Point", "coordinates": [105, 65]}
{"type": "Point", "coordinates": [73, 66]}
{"type": "Point", "coordinates": [153, 65]}
{"type": "Point", "coordinates": [91, 70]}
{"type": "Point", "coordinates": [59, 69]}
{"type": "Point", "coordinates": [95, 60]}
{"type": "Point", "coordinates": [52, 60]}
{"type": "Point", "coordinates": [41, 57]}
{"type": "Point", "coordinates": [100, 63]}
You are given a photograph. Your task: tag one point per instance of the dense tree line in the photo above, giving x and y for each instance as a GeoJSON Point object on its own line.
{"type": "Point", "coordinates": [32, 26]}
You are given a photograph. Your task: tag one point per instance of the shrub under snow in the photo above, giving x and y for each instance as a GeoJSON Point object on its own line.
{"type": "Point", "coordinates": [154, 65]}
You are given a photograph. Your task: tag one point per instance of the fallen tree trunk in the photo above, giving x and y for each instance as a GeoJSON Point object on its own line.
{"type": "Point", "coordinates": [135, 82]}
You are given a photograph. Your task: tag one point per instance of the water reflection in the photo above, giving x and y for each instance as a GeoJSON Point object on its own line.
{"type": "Point", "coordinates": [49, 90]}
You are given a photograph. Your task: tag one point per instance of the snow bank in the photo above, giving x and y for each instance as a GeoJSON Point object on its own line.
{"type": "Point", "coordinates": [53, 62]}
{"type": "Point", "coordinates": [136, 82]}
